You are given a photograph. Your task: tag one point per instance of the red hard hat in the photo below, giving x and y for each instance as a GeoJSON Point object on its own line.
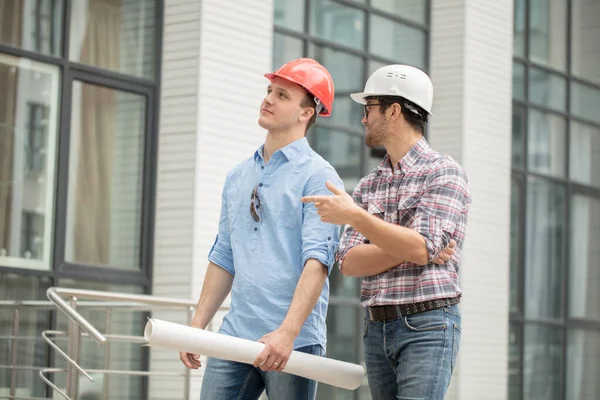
{"type": "Point", "coordinates": [313, 77]}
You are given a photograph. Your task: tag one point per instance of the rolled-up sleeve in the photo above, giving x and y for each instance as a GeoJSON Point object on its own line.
{"type": "Point", "coordinates": [442, 207]}
{"type": "Point", "coordinates": [221, 253]}
{"type": "Point", "coordinates": [351, 237]}
{"type": "Point", "coordinates": [319, 239]}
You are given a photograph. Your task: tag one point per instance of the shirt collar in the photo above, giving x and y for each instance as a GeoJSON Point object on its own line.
{"type": "Point", "coordinates": [290, 151]}
{"type": "Point", "coordinates": [409, 159]}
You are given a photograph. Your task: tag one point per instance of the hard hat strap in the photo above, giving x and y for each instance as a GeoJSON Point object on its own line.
{"type": "Point", "coordinates": [319, 106]}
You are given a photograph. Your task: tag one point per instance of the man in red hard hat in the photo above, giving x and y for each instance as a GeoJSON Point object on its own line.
{"type": "Point", "coordinates": [273, 253]}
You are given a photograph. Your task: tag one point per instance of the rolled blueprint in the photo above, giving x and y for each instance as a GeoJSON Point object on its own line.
{"type": "Point", "coordinates": [168, 335]}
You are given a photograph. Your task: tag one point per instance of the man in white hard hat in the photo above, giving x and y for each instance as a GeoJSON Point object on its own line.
{"type": "Point", "coordinates": [401, 216]}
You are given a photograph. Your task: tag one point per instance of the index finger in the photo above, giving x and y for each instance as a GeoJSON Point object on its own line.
{"type": "Point", "coordinates": [314, 199]}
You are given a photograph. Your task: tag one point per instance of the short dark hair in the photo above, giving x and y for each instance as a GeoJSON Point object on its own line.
{"type": "Point", "coordinates": [414, 115]}
{"type": "Point", "coordinates": [309, 101]}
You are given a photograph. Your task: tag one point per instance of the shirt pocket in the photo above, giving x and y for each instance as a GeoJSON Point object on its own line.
{"type": "Point", "coordinates": [376, 208]}
{"type": "Point", "coordinates": [407, 208]}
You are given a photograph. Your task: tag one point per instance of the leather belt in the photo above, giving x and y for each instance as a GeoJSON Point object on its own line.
{"type": "Point", "coordinates": [389, 312]}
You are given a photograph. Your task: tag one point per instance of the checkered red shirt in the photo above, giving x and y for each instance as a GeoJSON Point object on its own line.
{"type": "Point", "coordinates": [428, 192]}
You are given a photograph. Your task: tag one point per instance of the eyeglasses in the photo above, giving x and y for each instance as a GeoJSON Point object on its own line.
{"type": "Point", "coordinates": [366, 108]}
{"type": "Point", "coordinates": [255, 205]}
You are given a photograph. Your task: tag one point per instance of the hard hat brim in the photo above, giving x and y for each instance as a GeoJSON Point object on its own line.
{"type": "Point", "coordinates": [360, 98]}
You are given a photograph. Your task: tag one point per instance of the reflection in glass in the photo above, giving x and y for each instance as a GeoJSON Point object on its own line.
{"type": "Point", "coordinates": [32, 351]}
{"type": "Point", "coordinates": [584, 164]}
{"type": "Point", "coordinates": [518, 87]}
{"type": "Point", "coordinates": [338, 23]}
{"type": "Point", "coordinates": [105, 177]}
{"type": "Point", "coordinates": [546, 89]}
{"type": "Point", "coordinates": [117, 35]}
{"type": "Point", "coordinates": [289, 14]}
{"type": "Point", "coordinates": [395, 41]}
{"type": "Point", "coordinates": [545, 249]}
{"type": "Point", "coordinates": [518, 136]}
{"type": "Point", "coordinates": [546, 143]}
{"type": "Point", "coordinates": [583, 364]}
{"type": "Point", "coordinates": [548, 33]}
{"type": "Point", "coordinates": [519, 28]}
{"type": "Point", "coordinates": [584, 274]}
{"type": "Point", "coordinates": [342, 150]}
{"type": "Point", "coordinates": [32, 25]}
{"type": "Point", "coordinates": [515, 244]}
{"type": "Point", "coordinates": [28, 131]}
{"type": "Point", "coordinates": [585, 101]}
{"type": "Point", "coordinates": [542, 362]}
{"type": "Point", "coordinates": [585, 36]}
{"type": "Point", "coordinates": [410, 9]}
{"type": "Point", "coordinates": [285, 48]}
{"type": "Point", "coordinates": [514, 355]}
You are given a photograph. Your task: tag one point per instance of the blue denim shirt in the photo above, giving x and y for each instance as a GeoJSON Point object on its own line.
{"type": "Point", "coordinates": [267, 258]}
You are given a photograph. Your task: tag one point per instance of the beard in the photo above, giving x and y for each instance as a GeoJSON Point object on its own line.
{"type": "Point", "coordinates": [376, 134]}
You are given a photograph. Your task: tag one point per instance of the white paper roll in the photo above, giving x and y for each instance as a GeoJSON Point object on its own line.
{"type": "Point", "coordinates": [167, 335]}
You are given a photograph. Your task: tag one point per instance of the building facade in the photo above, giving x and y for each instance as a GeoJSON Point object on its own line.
{"type": "Point", "coordinates": [119, 120]}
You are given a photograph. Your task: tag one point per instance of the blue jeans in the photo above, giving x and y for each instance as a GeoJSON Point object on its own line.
{"type": "Point", "coordinates": [412, 357]}
{"type": "Point", "coordinates": [228, 380]}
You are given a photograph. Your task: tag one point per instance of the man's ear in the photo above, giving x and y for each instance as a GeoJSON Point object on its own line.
{"type": "Point", "coordinates": [307, 114]}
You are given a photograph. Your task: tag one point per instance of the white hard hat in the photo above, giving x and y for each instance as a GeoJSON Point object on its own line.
{"type": "Point", "coordinates": [399, 80]}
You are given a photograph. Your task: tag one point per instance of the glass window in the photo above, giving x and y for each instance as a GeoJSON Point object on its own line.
{"type": "Point", "coordinates": [515, 245]}
{"type": "Point", "coordinates": [585, 101]}
{"type": "Point", "coordinates": [289, 14]}
{"type": "Point", "coordinates": [548, 33]}
{"type": "Point", "coordinates": [518, 81]}
{"type": "Point", "coordinates": [114, 35]}
{"type": "Point", "coordinates": [32, 25]}
{"type": "Point", "coordinates": [546, 143]}
{"type": "Point", "coordinates": [344, 330]}
{"type": "Point", "coordinates": [583, 358]}
{"type": "Point", "coordinates": [585, 37]}
{"type": "Point", "coordinates": [518, 136]}
{"type": "Point", "coordinates": [374, 65]}
{"type": "Point", "coordinates": [546, 89]}
{"type": "Point", "coordinates": [543, 363]}
{"type": "Point", "coordinates": [584, 274]}
{"type": "Point", "coordinates": [338, 23]}
{"type": "Point", "coordinates": [32, 351]}
{"type": "Point", "coordinates": [415, 10]}
{"type": "Point", "coordinates": [584, 166]}
{"type": "Point", "coordinates": [347, 73]}
{"type": "Point", "coordinates": [514, 358]}
{"type": "Point", "coordinates": [342, 150]}
{"type": "Point", "coordinates": [28, 131]}
{"type": "Point", "coordinates": [105, 177]}
{"type": "Point", "coordinates": [395, 41]}
{"type": "Point", "coordinates": [545, 249]}
{"type": "Point", "coordinates": [285, 48]}
{"type": "Point", "coordinates": [519, 28]}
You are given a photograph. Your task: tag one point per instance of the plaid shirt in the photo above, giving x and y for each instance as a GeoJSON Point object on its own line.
{"type": "Point", "coordinates": [428, 192]}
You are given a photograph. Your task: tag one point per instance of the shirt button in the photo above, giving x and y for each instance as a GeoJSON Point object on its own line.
{"type": "Point", "coordinates": [255, 229]}
{"type": "Point", "coordinates": [262, 167]}
{"type": "Point", "coordinates": [328, 237]}
{"type": "Point", "coordinates": [260, 184]}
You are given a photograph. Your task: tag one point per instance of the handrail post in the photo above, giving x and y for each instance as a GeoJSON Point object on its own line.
{"type": "Point", "coordinates": [14, 350]}
{"type": "Point", "coordinates": [108, 324]}
{"type": "Point", "coordinates": [74, 344]}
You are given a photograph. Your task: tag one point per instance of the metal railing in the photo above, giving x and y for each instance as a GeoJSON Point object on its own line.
{"type": "Point", "coordinates": [70, 302]}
